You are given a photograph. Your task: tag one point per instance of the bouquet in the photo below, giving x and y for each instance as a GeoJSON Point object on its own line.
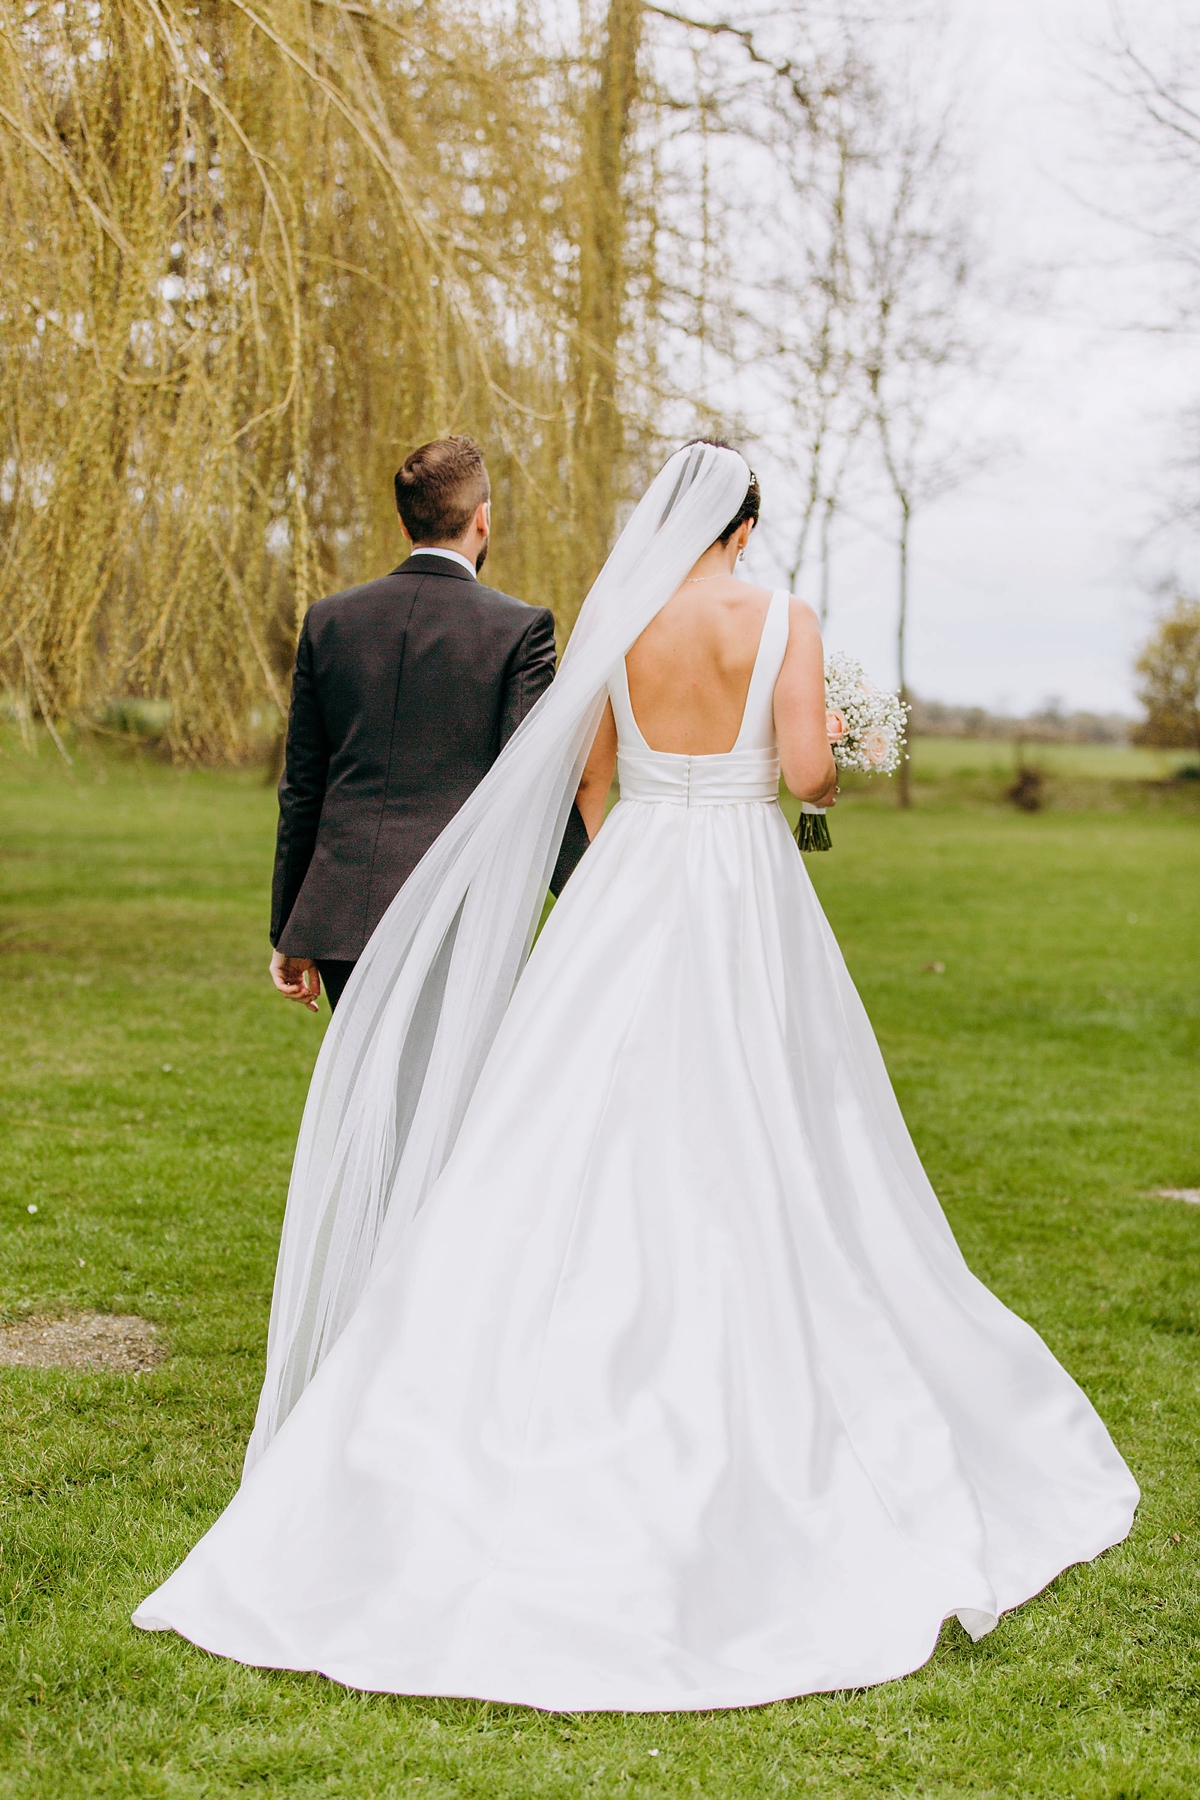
{"type": "Point", "coordinates": [866, 732]}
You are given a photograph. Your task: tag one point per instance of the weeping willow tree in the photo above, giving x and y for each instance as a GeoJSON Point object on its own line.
{"type": "Point", "coordinates": [254, 251]}
{"type": "Point", "coordinates": [611, 214]}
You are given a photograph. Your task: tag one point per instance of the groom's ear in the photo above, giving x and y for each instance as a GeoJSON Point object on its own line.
{"type": "Point", "coordinates": [483, 517]}
{"type": "Point", "coordinates": [404, 528]}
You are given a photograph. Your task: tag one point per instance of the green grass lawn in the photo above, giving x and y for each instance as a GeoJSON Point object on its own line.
{"type": "Point", "coordinates": [1051, 1076]}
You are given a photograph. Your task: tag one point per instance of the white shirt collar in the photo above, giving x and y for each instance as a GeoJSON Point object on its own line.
{"type": "Point", "coordinates": [453, 555]}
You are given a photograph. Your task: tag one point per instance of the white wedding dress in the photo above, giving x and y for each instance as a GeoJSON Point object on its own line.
{"type": "Point", "coordinates": [676, 1392]}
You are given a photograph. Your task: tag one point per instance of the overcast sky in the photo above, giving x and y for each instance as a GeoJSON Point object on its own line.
{"type": "Point", "coordinates": [1031, 581]}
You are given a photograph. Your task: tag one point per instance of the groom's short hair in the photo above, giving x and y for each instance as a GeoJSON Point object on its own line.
{"type": "Point", "coordinates": [438, 488]}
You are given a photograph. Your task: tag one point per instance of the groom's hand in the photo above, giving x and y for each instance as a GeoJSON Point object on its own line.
{"type": "Point", "coordinates": [297, 977]}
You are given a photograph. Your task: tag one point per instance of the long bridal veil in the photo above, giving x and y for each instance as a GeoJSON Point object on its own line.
{"type": "Point", "coordinates": [415, 1023]}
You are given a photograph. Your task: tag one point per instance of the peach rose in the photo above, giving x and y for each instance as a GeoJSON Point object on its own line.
{"type": "Point", "coordinates": [877, 745]}
{"type": "Point", "coordinates": [835, 726]}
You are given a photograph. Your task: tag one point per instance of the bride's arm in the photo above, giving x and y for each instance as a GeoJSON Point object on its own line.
{"type": "Point", "coordinates": [804, 754]}
{"type": "Point", "coordinates": [598, 773]}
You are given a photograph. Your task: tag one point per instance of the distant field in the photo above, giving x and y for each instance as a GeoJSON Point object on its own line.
{"type": "Point", "coordinates": [934, 757]}
{"type": "Point", "coordinates": [1035, 983]}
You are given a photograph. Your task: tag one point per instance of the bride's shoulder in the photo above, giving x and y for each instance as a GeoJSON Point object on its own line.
{"type": "Point", "coordinates": [802, 617]}
{"type": "Point", "coordinates": [748, 598]}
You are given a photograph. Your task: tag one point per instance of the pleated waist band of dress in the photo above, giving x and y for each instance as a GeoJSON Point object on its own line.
{"type": "Point", "coordinates": [740, 777]}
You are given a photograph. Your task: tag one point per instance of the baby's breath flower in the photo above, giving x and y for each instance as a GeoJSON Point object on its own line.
{"type": "Point", "coordinates": [872, 739]}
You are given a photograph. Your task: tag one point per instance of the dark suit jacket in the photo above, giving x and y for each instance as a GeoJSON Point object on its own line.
{"type": "Point", "coordinates": [404, 692]}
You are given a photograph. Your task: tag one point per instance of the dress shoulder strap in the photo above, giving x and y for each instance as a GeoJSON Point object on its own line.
{"type": "Point", "coordinates": [758, 719]}
{"type": "Point", "coordinates": [618, 692]}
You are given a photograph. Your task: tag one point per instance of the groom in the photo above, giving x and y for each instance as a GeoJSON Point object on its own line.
{"type": "Point", "coordinates": [404, 693]}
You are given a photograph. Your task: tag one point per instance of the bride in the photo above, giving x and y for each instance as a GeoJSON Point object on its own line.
{"type": "Point", "coordinates": [620, 1353]}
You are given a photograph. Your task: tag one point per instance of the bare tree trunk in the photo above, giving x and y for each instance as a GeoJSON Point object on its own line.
{"type": "Point", "coordinates": [811, 502]}
{"type": "Point", "coordinates": [603, 228]}
{"type": "Point", "coordinates": [904, 791]}
{"type": "Point", "coordinates": [826, 528]}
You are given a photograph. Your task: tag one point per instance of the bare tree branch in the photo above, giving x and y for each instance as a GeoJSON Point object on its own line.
{"type": "Point", "coordinates": [783, 69]}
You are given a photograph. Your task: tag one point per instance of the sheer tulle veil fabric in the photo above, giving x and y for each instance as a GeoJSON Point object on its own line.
{"type": "Point", "coordinates": [404, 1051]}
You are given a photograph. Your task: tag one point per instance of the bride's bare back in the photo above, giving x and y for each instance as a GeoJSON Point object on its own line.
{"type": "Point", "coordinates": [689, 672]}
{"type": "Point", "coordinates": [689, 675]}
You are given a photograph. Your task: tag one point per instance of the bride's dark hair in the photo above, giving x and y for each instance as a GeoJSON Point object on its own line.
{"type": "Point", "coordinates": [749, 509]}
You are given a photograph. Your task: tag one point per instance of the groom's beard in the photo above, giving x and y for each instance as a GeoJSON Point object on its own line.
{"type": "Point", "coordinates": [482, 557]}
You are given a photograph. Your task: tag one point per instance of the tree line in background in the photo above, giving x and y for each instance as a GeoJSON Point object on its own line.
{"type": "Point", "coordinates": [255, 250]}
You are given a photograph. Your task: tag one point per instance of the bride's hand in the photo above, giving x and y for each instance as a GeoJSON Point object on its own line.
{"type": "Point", "coordinates": [829, 797]}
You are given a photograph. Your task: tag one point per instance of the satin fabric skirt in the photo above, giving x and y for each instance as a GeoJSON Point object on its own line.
{"type": "Point", "coordinates": [677, 1393]}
